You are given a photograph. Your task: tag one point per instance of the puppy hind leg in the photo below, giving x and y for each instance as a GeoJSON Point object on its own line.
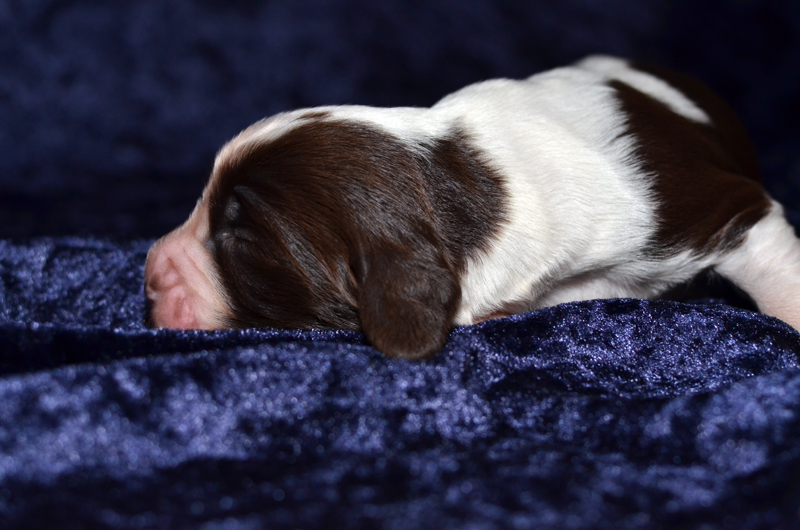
{"type": "Point", "coordinates": [766, 265]}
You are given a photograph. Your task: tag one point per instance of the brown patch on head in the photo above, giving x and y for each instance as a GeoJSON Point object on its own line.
{"type": "Point", "coordinates": [704, 176]}
{"type": "Point", "coordinates": [337, 224]}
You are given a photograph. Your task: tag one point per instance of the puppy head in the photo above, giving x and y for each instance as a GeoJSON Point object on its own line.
{"type": "Point", "coordinates": [308, 222]}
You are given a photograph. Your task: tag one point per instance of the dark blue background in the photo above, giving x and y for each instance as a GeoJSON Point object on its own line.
{"type": "Point", "coordinates": [611, 414]}
{"type": "Point", "coordinates": [111, 112]}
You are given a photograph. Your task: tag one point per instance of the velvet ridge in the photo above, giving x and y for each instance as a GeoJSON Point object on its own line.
{"type": "Point", "coordinates": [626, 411]}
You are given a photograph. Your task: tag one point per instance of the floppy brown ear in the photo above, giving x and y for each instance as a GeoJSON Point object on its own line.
{"type": "Point", "coordinates": [407, 301]}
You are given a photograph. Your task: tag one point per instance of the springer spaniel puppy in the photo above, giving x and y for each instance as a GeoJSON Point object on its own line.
{"type": "Point", "coordinates": [602, 179]}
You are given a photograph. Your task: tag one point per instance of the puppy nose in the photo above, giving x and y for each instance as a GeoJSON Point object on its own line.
{"type": "Point", "coordinates": [172, 283]}
{"type": "Point", "coordinates": [160, 276]}
{"type": "Point", "coordinates": [153, 268]}
{"type": "Point", "coordinates": [150, 289]}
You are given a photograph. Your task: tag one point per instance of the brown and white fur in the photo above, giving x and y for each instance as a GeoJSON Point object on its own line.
{"type": "Point", "coordinates": [602, 179]}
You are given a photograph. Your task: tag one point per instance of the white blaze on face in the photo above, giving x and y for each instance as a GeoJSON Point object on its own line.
{"type": "Point", "coordinates": [180, 279]}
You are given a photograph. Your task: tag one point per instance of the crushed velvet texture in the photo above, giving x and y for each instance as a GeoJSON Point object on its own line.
{"type": "Point", "coordinates": [604, 414]}
{"type": "Point", "coordinates": [608, 414]}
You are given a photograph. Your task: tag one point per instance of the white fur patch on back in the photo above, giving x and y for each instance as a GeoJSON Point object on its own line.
{"type": "Point", "coordinates": [577, 200]}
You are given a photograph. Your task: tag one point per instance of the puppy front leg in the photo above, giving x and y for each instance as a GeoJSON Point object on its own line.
{"type": "Point", "coordinates": [766, 265]}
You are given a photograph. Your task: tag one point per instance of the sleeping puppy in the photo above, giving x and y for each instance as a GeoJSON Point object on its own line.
{"type": "Point", "coordinates": [602, 179]}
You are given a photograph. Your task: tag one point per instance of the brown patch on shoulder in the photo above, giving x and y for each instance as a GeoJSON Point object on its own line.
{"type": "Point", "coordinates": [467, 197]}
{"type": "Point", "coordinates": [705, 176]}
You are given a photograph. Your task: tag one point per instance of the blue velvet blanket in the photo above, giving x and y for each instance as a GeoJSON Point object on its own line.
{"type": "Point", "coordinates": [617, 414]}
{"type": "Point", "coordinates": [602, 414]}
